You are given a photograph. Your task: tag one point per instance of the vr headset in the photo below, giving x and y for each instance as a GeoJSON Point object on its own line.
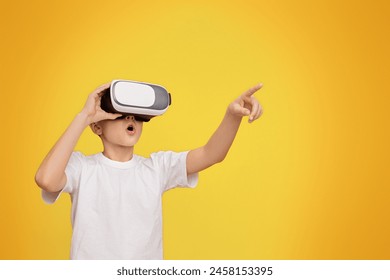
{"type": "Point", "coordinates": [141, 100]}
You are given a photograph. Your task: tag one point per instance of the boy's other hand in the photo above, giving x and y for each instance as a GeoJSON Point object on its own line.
{"type": "Point", "coordinates": [92, 109]}
{"type": "Point", "coordinates": [247, 105]}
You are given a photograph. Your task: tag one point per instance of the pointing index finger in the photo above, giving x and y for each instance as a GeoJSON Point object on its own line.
{"type": "Point", "coordinates": [252, 90]}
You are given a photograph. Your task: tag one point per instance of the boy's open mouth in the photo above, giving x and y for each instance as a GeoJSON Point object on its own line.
{"type": "Point", "coordinates": [130, 127]}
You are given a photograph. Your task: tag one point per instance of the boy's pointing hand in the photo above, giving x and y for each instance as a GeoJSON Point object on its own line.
{"type": "Point", "coordinates": [247, 105]}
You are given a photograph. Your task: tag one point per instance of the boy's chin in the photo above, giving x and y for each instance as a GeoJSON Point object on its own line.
{"type": "Point", "coordinates": [129, 144]}
{"type": "Point", "coordinates": [122, 144]}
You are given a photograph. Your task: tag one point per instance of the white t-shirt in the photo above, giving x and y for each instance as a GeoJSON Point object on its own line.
{"type": "Point", "coordinates": [116, 206]}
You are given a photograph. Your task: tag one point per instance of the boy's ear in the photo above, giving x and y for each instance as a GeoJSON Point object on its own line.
{"type": "Point", "coordinates": [96, 128]}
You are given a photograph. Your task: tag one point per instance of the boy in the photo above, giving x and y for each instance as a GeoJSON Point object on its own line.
{"type": "Point", "coordinates": [116, 195]}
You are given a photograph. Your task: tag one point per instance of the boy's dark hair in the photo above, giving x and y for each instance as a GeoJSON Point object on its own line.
{"type": "Point", "coordinates": [105, 102]}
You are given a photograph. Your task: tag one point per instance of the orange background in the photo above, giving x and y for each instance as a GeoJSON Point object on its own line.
{"type": "Point", "coordinates": [309, 180]}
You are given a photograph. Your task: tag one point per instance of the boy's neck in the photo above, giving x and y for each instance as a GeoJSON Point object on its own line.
{"type": "Point", "coordinates": [121, 154]}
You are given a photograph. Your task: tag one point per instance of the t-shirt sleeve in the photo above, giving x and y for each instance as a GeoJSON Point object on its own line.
{"type": "Point", "coordinates": [173, 170]}
{"type": "Point", "coordinates": [72, 172]}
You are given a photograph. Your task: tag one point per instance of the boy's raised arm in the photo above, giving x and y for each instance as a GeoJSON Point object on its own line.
{"type": "Point", "coordinates": [51, 173]}
{"type": "Point", "coordinates": [219, 144]}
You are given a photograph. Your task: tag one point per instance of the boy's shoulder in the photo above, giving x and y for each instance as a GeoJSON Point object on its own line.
{"type": "Point", "coordinates": [159, 157]}
{"type": "Point", "coordinates": [79, 156]}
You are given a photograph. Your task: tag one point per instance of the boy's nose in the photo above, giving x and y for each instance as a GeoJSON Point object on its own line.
{"type": "Point", "coordinates": [130, 118]}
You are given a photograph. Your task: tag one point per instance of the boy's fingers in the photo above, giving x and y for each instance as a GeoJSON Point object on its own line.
{"type": "Point", "coordinates": [244, 111]}
{"type": "Point", "coordinates": [256, 113]}
{"type": "Point", "coordinates": [101, 93]}
{"type": "Point", "coordinates": [240, 110]}
{"type": "Point", "coordinates": [104, 86]}
{"type": "Point", "coordinates": [259, 113]}
{"type": "Point", "coordinates": [255, 108]}
{"type": "Point", "coordinates": [252, 90]}
{"type": "Point", "coordinates": [98, 92]}
{"type": "Point", "coordinates": [100, 89]}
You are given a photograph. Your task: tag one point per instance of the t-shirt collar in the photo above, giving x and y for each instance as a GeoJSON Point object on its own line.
{"type": "Point", "coordinates": [117, 164]}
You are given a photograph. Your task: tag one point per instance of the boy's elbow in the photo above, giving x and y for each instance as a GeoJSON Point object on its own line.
{"type": "Point", "coordinates": [213, 156]}
{"type": "Point", "coordinates": [46, 183]}
{"type": "Point", "coordinates": [42, 182]}
{"type": "Point", "coordinates": [219, 158]}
